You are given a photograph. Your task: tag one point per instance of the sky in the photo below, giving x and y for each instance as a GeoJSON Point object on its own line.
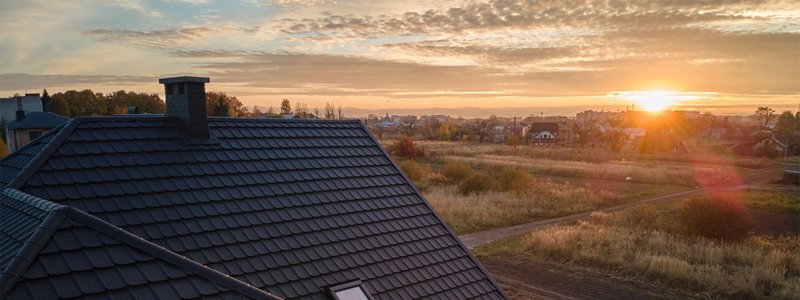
{"type": "Point", "coordinates": [459, 57]}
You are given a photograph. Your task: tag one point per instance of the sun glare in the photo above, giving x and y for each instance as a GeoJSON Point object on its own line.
{"type": "Point", "coordinates": [653, 100]}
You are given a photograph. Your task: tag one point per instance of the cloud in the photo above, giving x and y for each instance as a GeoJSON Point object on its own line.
{"type": "Point", "coordinates": [523, 15]}
{"type": "Point", "coordinates": [300, 2]}
{"type": "Point", "coordinates": [486, 54]}
{"type": "Point", "coordinates": [18, 81]}
{"type": "Point", "coordinates": [175, 38]}
{"type": "Point", "coordinates": [159, 39]}
{"type": "Point", "coordinates": [137, 6]}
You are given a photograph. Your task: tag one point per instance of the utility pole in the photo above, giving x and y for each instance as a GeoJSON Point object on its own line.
{"type": "Point", "coordinates": [514, 127]}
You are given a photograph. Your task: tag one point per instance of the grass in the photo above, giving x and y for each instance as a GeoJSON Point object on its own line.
{"type": "Point", "coordinates": [645, 172]}
{"type": "Point", "coordinates": [783, 201]}
{"type": "Point", "coordinates": [593, 155]}
{"type": "Point", "coordinates": [544, 199]}
{"type": "Point", "coordinates": [644, 241]}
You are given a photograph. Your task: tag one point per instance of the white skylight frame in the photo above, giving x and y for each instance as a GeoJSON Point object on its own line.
{"type": "Point", "coordinates": [353, 290]}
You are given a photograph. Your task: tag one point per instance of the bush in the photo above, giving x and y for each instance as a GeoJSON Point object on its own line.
{"type": "Point", "coordinates": [456, 171]}
{"type": "Point", "coordinates": [405, 147]}
{"type": "Point", "coordinates": [476, 184]}
{"type": "Point", "coordinates": [644, 216]}
{"type": "Point", "coordinates": [515, 180]}
{"type": "Point", "coordinates": [723, 218]}
{"type": "Point", "coordinates": [412, 169]}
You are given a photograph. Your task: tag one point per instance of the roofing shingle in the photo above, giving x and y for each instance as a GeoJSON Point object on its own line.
{"type": "Point", "coordinates": [286, 206]}
{"type": "Point", "coordinates": [60, 252]}
{"type": "Point", "coordinates": [38, 120]}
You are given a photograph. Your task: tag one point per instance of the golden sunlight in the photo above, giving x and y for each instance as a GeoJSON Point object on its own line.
{"type": "Point", "coordinates": [654, 100]}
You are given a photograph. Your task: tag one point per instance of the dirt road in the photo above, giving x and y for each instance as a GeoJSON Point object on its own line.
{"type": "Point", "coordinates": [552, 280]}
{"type": "Point", "coordinates": [473, 240]}
{"type": "Point", "coordinates": [549, 280]}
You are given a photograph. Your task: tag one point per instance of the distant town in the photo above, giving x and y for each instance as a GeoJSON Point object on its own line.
{"type": "Point", "coordinates": [764, 133]}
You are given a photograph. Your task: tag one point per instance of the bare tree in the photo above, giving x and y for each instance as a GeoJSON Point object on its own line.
{"type": "Point", "coordinates": [765, 114]}
{"type": "Point", "coordinates": [329, 111]}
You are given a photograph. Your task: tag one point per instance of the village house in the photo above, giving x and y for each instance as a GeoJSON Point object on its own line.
{"type": "Point", "coordinates": [30, 102]}
{"type": "Point", "coordinates": [544, 133]}
{"type": "Point", "coordinates": [634, 133]}
{"type": "Point", "coordinates": [29, 127]}
{"type": "Point", "coordinates": [183, 205]}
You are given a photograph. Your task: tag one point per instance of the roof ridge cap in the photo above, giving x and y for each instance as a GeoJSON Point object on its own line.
{"type": "Point", "coordinates": [435, 213]}
{"type": "Point", "coordinates": [32, 200]}
{"type": "Point", "coordinates": [34, 244]}
{"type": "Point", "coordinates": [43, 155]}
{"type": "Point", "coordinates": [168, 256]}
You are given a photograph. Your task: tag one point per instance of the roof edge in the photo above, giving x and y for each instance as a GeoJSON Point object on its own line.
{"type": "Point", "coordinates": [33, 245]}
{"type": "Point", "coordinates": [43, 155]}
{"type": "Point", "coordinates": [168, 256]}
{"type": "Point", "coordinates": [435, 214]}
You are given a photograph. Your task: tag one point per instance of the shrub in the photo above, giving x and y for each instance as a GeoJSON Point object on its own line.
{"type": "Point", "coordinates": [515, 180]}
{"type": "Point", "coordinates": [412, 169]}
{"type": "Point", "coordinates": [720, 218]}
{"type": "Point", "coordinates": [406, 147]}
{"type": "Point", "coordinates": [476, 184]}
{"type": "Point", "coordinates": [644, 216]}
{"type": "Point", "coordinates": [456, 171]}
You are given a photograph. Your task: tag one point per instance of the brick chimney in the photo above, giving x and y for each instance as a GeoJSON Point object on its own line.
{"type": "Point", "coordinates": [186, 100]}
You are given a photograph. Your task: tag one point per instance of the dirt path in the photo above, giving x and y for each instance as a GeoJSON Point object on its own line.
{"type": "Point", "coordinates": [473, 240]}
{"type": "Point", "coordinates": [548, 280]}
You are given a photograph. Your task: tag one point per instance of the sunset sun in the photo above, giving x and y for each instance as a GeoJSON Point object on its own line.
{"type": "Point", "coordinates": [654, 100]}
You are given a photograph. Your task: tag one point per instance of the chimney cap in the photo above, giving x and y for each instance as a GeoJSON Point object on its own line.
{"type": "Point", "coordinates": [184, 79]}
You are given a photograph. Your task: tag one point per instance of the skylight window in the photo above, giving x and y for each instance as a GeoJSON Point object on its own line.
{"type": "Point", "coordinates": [350, 291]}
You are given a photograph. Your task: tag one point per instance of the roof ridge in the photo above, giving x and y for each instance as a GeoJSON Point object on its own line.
{"type": "Point", "coordinates": [435, 214]}
{"type": "Point", "coordinates": [168, 256]}
{"type": "Point", "coordinates": [43, 204]}
{"type": "Point", "coordinates": [44, 154]}
{"type": "Point", "coordinates": [36, 242]}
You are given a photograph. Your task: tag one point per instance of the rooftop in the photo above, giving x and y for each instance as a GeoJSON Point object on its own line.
{"type": "Point", "coordinates": [282, 208]}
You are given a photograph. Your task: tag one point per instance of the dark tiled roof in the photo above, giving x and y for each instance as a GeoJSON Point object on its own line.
{"type": "Point", "coordinates": [551, 127]}
{"type": "Point", "coordinates": [30, 154]}
{"type": "Point", "coordinates": [59, 252]}
{"type": "Point", "coordinates": [287, 206]}
{"type": "Point", "coordinates": [38, 120]}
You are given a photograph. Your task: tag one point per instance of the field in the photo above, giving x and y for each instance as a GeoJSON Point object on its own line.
{"type": "Point", "coordinates": [564, 181]}
{"type": "Point", "coordinates": [646, 243]}
{"type": "Point", "coordinates": [643, 251]}
{"type": "Point", "coordinates": [545, 199]}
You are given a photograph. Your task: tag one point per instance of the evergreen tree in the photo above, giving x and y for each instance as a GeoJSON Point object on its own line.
{"type": "Point", "coordinates": [45, 98]}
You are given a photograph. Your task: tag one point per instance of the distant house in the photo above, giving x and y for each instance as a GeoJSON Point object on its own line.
{"type": "Point", "coordinates": [29, 127]}
{"type": "Point", "coordinates": [520, 130]}
{"type": "Point", "coordinates": [590, 117]}
{"type": "Point", "coordinates": [387, 122]}
{"type": "Point", "coordinates": [544, 133]}
{"type": "Point", "coordinates": [9, 106]}
{"type": "Point", "coordinates": [186, 206]}
{"type": "Point", "coordinates": [634, 133]}
{"type": "Point", "coordinates": [771, 144]}
{"type": "Point", "coordinates": [718, 132]}
{"type": "Point", "coordinates": [499, 134]}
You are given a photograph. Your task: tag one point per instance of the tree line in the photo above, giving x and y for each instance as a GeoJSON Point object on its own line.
{"type": "Point", "coordinates": [75, 103]}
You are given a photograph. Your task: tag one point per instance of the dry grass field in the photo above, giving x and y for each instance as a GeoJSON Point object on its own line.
{"type": "Point", "coordinates": [562, 181]}
{"type": "Point", "coordinates": [545, 199]}
{"type": "Point", "coordinates": [646, 242]}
